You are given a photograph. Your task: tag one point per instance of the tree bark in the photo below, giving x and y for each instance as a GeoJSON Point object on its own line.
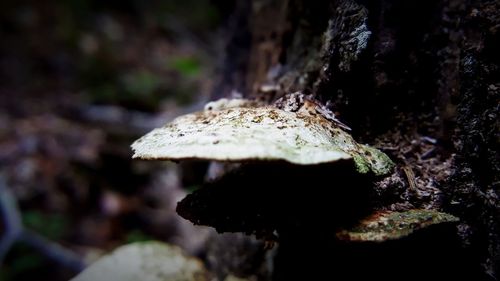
{"type": "Point", "coordinates": [420, 80]}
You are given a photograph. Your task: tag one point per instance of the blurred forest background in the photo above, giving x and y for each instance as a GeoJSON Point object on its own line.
{"type": "Point", "coordinates": [79, 81]}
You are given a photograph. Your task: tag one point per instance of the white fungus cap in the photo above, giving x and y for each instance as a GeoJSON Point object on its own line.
{"type": "Point", "coordinates": [258, 133]}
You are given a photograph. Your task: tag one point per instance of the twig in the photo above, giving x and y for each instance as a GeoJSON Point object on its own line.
{"type": "Point", "coordinates": [15, 232]}
{"type": "Point", "coordinates": [410, 176]}
{"type": "Point", "coordinates": [12, 222]}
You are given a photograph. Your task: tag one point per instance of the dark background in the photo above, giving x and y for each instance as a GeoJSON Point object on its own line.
{"type": "Point", "coordinates": [79, 81]}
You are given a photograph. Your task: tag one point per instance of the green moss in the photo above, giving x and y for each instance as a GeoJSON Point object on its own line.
{"type": "Point", "coordinates": [137, 236]}
{"type": "Point", "coordinates": [187, 66]}
{"type": "Point", "coordinates": [362, 166]}
{"type": "Point", "coordinates": [368, 159]}
{"type": "Point", "coordinates": [52, 226]}
{"type": "Point", "coordinates": [22, 259]}
{"type": "Point", "coordinates": [379, 162]}
{"type": "Point", "coordinates": [142, 82]}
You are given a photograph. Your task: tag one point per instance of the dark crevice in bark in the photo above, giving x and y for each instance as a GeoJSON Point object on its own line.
{"type": "Point", "coordinates": [235, 56]}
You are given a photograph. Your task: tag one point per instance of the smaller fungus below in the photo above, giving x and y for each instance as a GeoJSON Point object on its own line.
{"type": "Point", "coordinates": [387, 225]}
{"type": "Point", "coordinates": [242, 130]}
{"type": "Point", "coordinates": [298, 170]}
{"type": "Point", "coordinates": [153, 261]}
{"type": "Point", "coordinates": [270, 199]}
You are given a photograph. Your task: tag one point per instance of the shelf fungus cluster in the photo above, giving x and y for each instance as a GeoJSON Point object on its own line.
{"type": "Point", "coordinates": [300, 168]}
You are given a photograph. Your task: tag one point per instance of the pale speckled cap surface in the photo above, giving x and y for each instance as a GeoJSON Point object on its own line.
{"type": "Point", "coordinates": [259, 133]}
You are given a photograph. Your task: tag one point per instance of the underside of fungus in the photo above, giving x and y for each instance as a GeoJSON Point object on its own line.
{"type": "Point", "coordinates": [258, 133]}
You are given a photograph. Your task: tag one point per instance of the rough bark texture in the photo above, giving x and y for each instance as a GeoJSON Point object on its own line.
{"type": "Point", "coordinates": [418, 79]}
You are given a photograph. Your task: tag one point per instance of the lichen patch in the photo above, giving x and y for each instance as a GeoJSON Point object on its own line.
{"type": "Point", "coordinates": [388, 225]}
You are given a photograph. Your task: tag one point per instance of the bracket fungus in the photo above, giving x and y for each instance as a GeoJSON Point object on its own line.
{"type": "Point", "coordinates": [241, 130]}
{"type": "Point", "coordinates": [301, 176]}
{"type": "Point", "coordinates": [387, 225]}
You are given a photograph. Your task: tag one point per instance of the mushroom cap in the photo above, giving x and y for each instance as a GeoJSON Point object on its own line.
{"type": "Point", "coordinates": [152, 261]}
{"type": "Point", "coordinates": [388, 225]}
{"type": "Point", "coordinates": [258, 133]}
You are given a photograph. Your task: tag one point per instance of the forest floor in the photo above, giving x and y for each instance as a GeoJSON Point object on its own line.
{"type": "Point", "coordinates": [79, 83]}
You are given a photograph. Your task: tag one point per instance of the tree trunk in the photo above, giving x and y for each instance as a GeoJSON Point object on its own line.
{"type": "Point", "coordinates": [420, 80]}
